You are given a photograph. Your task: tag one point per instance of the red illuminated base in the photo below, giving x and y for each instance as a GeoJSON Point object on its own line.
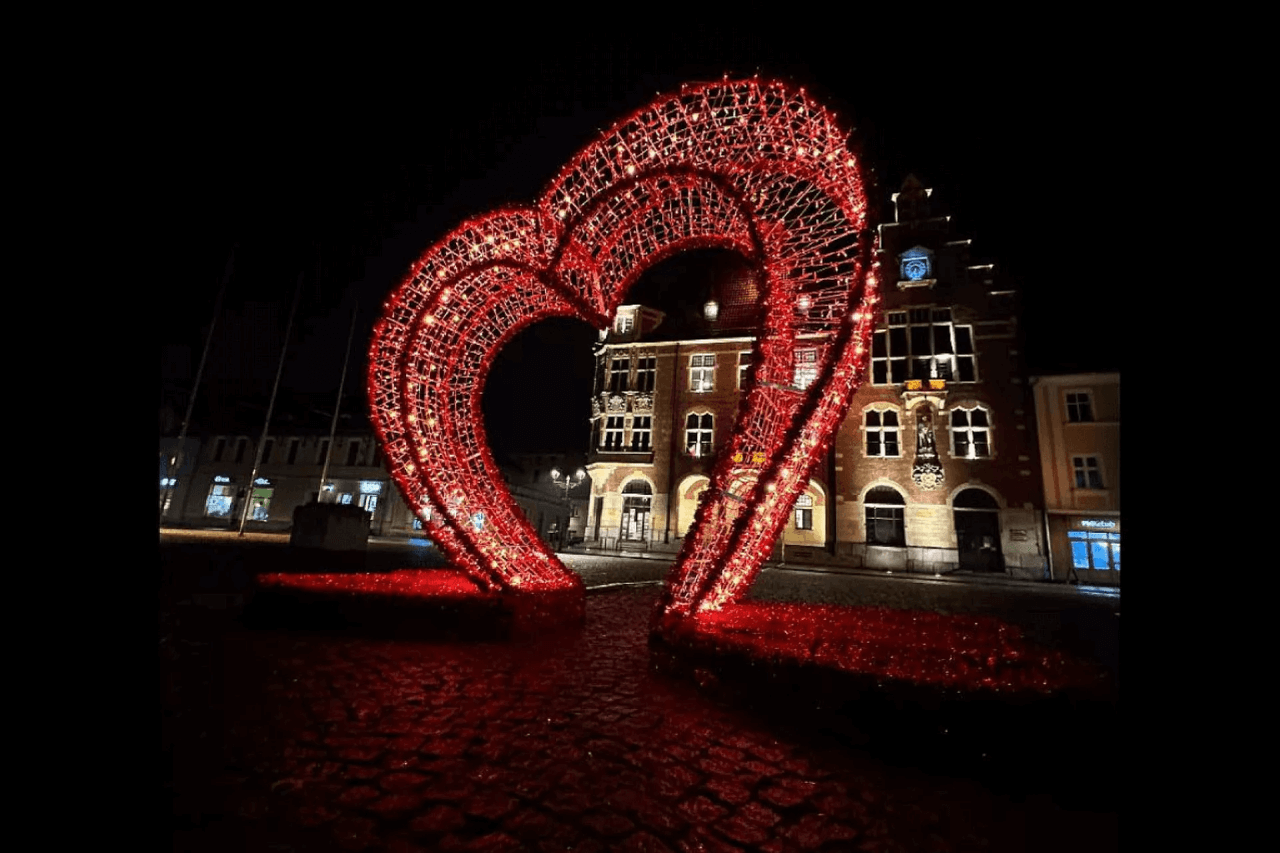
{"type": "Point", "coordinates": [883, 649]}
{"type": "Point", "coordinates": [442, 603]}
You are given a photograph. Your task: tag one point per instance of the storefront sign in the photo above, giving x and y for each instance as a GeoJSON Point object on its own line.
{"type": "Point", "coordinates": [370, 487]}
{"type": "Point", "coordinates": [221, 479]}
{"type": "Point", "coordinates": [1098, 523]}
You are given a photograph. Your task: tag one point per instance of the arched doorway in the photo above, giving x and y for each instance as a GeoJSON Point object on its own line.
{"type": "Point", "coordinates": [637, 504]}
{"type": "Point", "coordinates": [977, 520]}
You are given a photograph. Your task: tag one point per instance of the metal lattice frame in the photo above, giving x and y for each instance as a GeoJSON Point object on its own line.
{"type": "Point", "coordinates": [747, 165]}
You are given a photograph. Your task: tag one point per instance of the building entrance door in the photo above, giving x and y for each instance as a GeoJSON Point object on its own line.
{"type": "Point", "coordinates": [977, 520]}
{"type": "Point", "coordinates": [637, 499]}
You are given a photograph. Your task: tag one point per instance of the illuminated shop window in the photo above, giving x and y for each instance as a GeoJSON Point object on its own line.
{"type": "Point", "coordinates": [417, 523]}
{"type": "Point", "coordinates": [970, 433]}
{"type": "Point", "coordinates": [1096, 551]}
{"type": "Point", "coordinates": [646, 373]}
{"type": "Point", "coordinates": [922, 343]}
{"type": "Point", "coordinates": [699, 432]}
{"type": "Point", "coordinates": [260, 503]}
{"type": "Point", "coordinates": [886, 522]}
{"type": "Point", "coordinates": [619, 372]}
{"type": "Point", "coordinates": [1079, 407]}
{"type": "Point", "coordinates": [804, 512]}
{"type": "Point", "coordinates": [1088, 472]}
{"type": "Point", "coordinates": [218, 503]}
{"type": "Point", "coordinates": [613, 433]}
{"type": "Point", "coordinates": [702, 372]}
{"type": "Point", "coordinates": [641, 432]}
{"type": "Point", "coordinates": [882, 433]}
{"type": "Point", "coordinates": [806, 368]}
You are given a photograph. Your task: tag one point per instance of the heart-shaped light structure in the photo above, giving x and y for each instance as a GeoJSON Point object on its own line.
{"type": "Point", "coordinates": [749, 165]}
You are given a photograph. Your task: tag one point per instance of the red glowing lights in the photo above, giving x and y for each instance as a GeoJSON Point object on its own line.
{"type": "Point", "coordinates": [749, 165]}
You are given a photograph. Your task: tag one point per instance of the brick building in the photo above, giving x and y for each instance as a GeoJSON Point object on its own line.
{"type": "Point", "coordinates": [935, 466]}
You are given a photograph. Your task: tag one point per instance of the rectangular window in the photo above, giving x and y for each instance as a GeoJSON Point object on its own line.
{"type": "Point", "coordinates": [806, 363]}
{"type": "Point", "coordinates": [613, 433]}
{"type": "Point", "coordinates": [699, 431]}
{"type": "Point", "coordinates": [923, 343]}
{"type": "Point", "coordinates": [619, 373]}
{"type": "Point", "coordinates": [218, 449]}
{"type": "Point", "coordinates": [1088, 472]}
{"type": "Point", "coordinates": [646, 374]}
{"type": "Point", "coordinates": [293, 451]}
{"type": "Point", "coordinates": [970, 434]}
{"type": "Point", "coordinates": [886, 525]}
{"type": "Point", "coordinates": [353, 451]}
{"type": "Point", "coordinates": [324, 449]}
{"type": "Point", "coordinates": [624, 323]}
{"type": "Point", "coordinates": [241, 444]}
{"type": "Point", "coordinates": [266, 450]}
{"type": "Point", "coordinates": [641, 433]}
{"type": "Point", "coordinates": [744, 367]}
{"type": "Point", "coordinates": [1079, 407]}
{"type": "Point", "coordinates": [1095, 551]}
{"type": "Point", "coordinates": [702, 372]}
{"type": "Point", "coordinates": [804, 512]}
{"type": "Point", "coordinates": [882, 434]}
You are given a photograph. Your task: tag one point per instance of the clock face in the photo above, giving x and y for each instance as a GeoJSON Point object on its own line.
{"type": "Point", "coordinates": [916, 264]}
{"type": "Point", "coordinates": [915, 269]}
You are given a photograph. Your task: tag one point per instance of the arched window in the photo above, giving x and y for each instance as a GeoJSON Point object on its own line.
{"type": "Point", "coordinates": [699, 430]}
{"type": "Point", "coordinates": [886, 510]}
{"type": "Point", "coordinates": [882, 433]}
{"type": "Point", "coordinates": [970, 433]}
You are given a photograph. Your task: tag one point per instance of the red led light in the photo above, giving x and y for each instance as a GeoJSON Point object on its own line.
{"type": "Point", "coordinates": [748, 165]}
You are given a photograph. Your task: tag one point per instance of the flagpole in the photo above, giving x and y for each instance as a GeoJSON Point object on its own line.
{"type": "Point", "coordinates": [333, 426]}
{"type": "Point", "coordinates": [173, 460]}
{"type": "Point", "coordinates": [257, 458]}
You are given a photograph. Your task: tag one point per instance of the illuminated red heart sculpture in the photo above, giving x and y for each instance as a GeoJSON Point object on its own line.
{"type": "Point", "coordinates": [746, 165]}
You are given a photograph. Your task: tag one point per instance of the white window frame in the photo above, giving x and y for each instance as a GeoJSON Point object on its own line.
{"type": "Point", "coordinates": [1068, 404]}
{"type": "Point", "coordinates": [806, 367]}
{"type": "Point", "coordinates": [882, 338]}
{"type": "Point", "coordinates": [1080, 467]}
{"type": "Point", "coordinates": [641, 427]}
{"type": "Point", "coordinates": [970, 431]}
{"type": "Point", "coordinates": [881, 430]}
{"type": "Point", "coordinates": [625, 322]}
{"type": "Point", "coordinates": [744, 366]}
{"type": "Point", "coordinates": [702, 372]}
{"type": "Point", "coordinates": [613, 427]}
{"type": "Point", "coordinates": [646, 373]}
{"type": "Point", "coordinates": [804, 512]}
{"type": "Point", "coordinates": [619, 374]}
{"type": "Point", "coordinates": [700, 435]}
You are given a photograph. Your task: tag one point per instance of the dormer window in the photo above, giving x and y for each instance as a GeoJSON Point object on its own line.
{"type": "Point", "coordinates": [624, 322]}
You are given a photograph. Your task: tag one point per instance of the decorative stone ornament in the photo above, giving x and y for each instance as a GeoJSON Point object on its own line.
{"type": "Point", "coordinates": [746, 165]}
{"type": "Point", "coordinates": [642, 404]}
{"type": "Point", "coordinates": [926, 471]}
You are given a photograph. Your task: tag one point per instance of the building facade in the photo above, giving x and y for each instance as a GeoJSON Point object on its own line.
{"type": "Point", "coordinates": [934, 469]}
{"type": "Point", "coordinates": [216, 478]}
{"type": "Point", "coordinates": [1078, 418]}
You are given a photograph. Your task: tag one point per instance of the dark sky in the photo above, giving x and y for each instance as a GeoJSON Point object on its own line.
{"type": "Point", "coordinates": [302, 181]}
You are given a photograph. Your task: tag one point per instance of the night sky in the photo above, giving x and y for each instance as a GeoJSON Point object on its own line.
{"type": "Point", "coordinates": [302, 182]}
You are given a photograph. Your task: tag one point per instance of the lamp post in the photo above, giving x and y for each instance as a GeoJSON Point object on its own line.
{"type": "Point", "coordinates": [567, 483]}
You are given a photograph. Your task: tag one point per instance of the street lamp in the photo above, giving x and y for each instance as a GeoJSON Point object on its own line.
{"type": "Point", "coordinates": [567, 483]}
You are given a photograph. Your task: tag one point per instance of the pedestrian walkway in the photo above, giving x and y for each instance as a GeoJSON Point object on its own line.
{"type": "Point", "coordinates": [317, 741]}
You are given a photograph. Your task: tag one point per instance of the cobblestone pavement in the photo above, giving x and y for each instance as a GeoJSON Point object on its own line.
{"type": "Point", "coordinates": [316, 741]}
